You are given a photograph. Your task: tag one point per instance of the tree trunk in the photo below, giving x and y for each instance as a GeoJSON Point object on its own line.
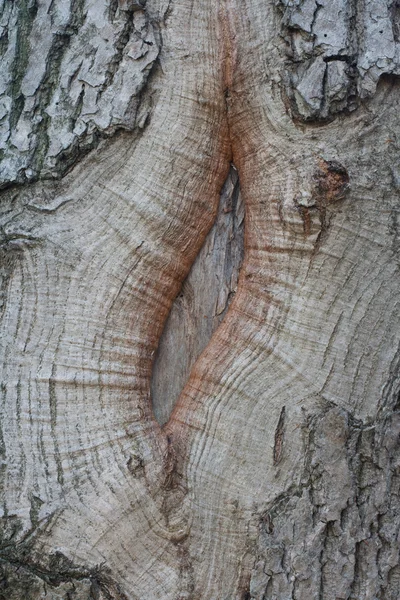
{"type": "Point", "coordinates": [275, 474]}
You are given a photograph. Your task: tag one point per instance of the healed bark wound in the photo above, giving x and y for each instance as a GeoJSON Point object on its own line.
{"type": "Point", "coordinates": [276, 474]}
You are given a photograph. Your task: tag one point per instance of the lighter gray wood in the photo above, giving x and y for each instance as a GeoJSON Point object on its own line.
{"type": "Point", "coordinates": [202, 302]}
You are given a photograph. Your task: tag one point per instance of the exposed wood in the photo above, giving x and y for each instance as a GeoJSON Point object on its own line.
{"type": "Point", "coordinates": [202, 302]}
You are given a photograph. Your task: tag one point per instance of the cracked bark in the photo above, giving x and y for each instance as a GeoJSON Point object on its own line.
{"type": "Point", "coordinates": [276, 475]}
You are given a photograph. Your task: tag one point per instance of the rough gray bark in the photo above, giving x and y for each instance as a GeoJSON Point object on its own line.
{"type": "Point", "coordinates": [337, 52]}
{"type": "Point", "coordinates": [277, 474]}
{"type": "Point", "coordinates": [72, 73]}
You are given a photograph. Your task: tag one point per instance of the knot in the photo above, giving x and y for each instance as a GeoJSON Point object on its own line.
{"type": "Point", "coordinates": [331, 182]}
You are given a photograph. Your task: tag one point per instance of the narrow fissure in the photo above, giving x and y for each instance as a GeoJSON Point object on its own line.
{"type": "Point", "coordinates": [202, 302]}
{"type": "Point", "coordinates": [212, 282]}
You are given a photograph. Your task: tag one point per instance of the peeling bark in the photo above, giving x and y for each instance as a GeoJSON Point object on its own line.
{"type": "Point", "coordinates": [337, 51]}
{"type": "Point", "coordinates": [73, 72]}
{"type": "Point", "coordinates": [276, 474]}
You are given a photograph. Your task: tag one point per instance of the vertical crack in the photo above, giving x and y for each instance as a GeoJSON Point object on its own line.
{"type": "Point", "coordinates": [202, 303]}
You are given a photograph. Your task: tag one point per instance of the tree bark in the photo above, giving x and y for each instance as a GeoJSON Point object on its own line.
{"type": "Point", "coordinates": [276, 475]}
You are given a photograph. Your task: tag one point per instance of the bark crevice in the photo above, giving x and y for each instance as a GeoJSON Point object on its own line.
{"type": "Point", "coordinates": [228, 499]}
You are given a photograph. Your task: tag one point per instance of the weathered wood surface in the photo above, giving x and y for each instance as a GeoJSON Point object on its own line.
{"type": "Point", "coordinates": [202, 302]}
{"type": "Point", "coordinates": [277, 474]}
